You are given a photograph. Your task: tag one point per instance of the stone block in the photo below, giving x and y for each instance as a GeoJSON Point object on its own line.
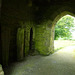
{"type": "Point", "coordinates": [1, 70]}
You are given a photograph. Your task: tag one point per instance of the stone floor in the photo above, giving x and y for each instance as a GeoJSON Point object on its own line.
{"type": "Point", "coordinates": [61, 62]}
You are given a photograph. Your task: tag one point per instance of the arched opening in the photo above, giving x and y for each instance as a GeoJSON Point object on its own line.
{"type": "Point", "coordinates": [64, 31]}
{"type": "Point", "coordinates": [31, 42]}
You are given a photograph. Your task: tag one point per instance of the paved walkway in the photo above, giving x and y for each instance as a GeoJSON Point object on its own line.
{"type": "Point", "coordinates": [61, 62]}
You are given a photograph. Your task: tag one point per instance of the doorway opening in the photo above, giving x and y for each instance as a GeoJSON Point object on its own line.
{"type": "Point", "coordinates": [64, 32]}
{"type": "Point", "coordinates": [31, 50]}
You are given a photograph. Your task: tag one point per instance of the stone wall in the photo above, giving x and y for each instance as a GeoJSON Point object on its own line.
{"type": "Point", "coordinates": [39, 15]}
{"type": "Point", "coordinates": [14, 15]}
{"type": "Point", "coordinates": [44, 38]}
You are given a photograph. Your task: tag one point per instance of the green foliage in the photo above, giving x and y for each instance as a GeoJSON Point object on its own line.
{"type": "Point", "coordinates": [64, 27]}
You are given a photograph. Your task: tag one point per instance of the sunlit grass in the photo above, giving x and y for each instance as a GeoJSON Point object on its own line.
{"type": "Point", "coordinates": [74, 51]}
{"type": "Point", "coordinates": [59, 44]}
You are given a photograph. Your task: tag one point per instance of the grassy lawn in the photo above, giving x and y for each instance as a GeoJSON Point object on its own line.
{"type": "Point", "coordinates": [59, 44]}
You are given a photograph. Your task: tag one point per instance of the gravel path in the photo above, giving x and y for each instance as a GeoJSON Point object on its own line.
{"type": "Point", "coordinates": [61, 62]}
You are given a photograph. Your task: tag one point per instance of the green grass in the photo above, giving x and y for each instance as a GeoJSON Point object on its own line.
{"type": "Point", "coordinates": [59, 44]}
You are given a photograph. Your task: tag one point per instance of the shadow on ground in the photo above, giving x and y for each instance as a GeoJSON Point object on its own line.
{"type": "Point", "coordinates": [61, 62]}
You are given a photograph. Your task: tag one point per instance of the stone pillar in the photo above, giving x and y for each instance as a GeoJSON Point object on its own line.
{"type": "Point", "coordinates": [42, 39]}
{"type": "Point", "coordinates": [52, 40]}
{"type": "Point", "coordinates": [20, 44]}
{"type": "Point", "coordinates": [1, 70]}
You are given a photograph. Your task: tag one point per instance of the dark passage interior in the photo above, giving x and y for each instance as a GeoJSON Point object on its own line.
{"type": "Point", "coordinates": [27, 27]}
{"type": "Point", "coordinates": [31, 41]}
{"type": "Point", "coordinates": [0, 46]}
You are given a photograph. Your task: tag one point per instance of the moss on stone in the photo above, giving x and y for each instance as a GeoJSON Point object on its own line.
{"type": "Point", "coordinates": [43, 41]}
{"type": "Point", "coordinates": [20, 43]}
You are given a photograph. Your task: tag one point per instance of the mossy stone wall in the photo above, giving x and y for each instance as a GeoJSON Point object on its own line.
{"type": "Point", "coordinates": [28, 27]}
{"type": "Point", "coordinates": [20, 43]}
{"type": "Point", "coordinates": [44, 38]}
{"type": "Point", "coordinates": [38, 15]}
{"type": "Point", "coordinates": [13, 13]}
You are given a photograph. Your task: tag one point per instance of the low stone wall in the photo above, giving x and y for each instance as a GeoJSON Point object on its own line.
{"type": "Point", "coordinates": [1, 70]}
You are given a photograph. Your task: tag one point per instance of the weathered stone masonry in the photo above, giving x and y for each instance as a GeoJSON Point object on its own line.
{"type": "Point", "coordinates": [17, 19]}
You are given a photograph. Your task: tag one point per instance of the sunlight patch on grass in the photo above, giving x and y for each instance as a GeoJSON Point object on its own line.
{"type": "Point", "coordinates": [73, 50]}
{"type": "Point", "coordinates": [59, 44]}
{"type": "Point", "coordinates": [73, 53]}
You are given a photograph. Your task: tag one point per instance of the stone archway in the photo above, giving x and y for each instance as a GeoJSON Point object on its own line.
{"type": "Point", "coordinates": [44, 40]}
{"type": "Point", "coordinates": [61, 15]}
{"type": "Point", "coordinates": [64, 13]}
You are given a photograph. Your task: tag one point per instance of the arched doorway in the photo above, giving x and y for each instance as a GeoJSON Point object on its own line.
{"type": "Point", "coordinates": [64, 28]}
